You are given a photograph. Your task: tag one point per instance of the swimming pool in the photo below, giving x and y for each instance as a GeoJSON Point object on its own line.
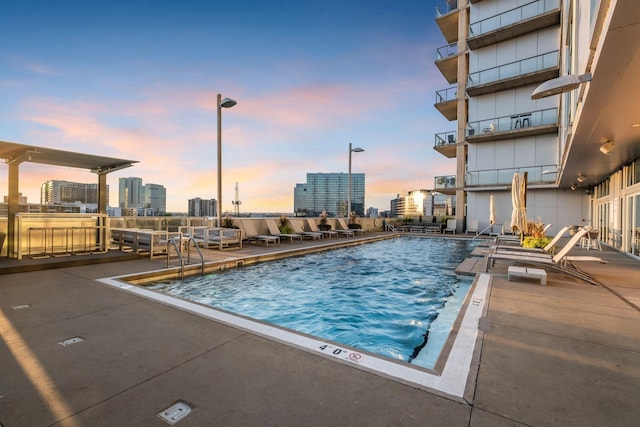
{"type": "Point", "coordinates": [452, 373]}
{"type": "Point", "coordinates": [398, 299]}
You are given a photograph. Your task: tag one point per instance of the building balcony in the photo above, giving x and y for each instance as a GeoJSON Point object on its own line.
{"type": "Point", "coordinates": [514, 22]}
{"type": "Point", "coordinates": [447, 102]}
{"type": "Point", "coordinates": [514, 74]}
{"type": "Point", "coordinates": [447, 62]}
{"type": "Point", "coordinates": [447, 19]}
{"type": "Point", "coordinates": [445, 184]}
{"type": "Point", "coordinates": [445, 144]}
{"type": "Point", "coordinates": [503, 177]}
{"type": "Point", "coordinates": [513, 126]}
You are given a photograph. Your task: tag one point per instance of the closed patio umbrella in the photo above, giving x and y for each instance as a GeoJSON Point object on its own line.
{"type": "Point", "coordinates": [515, 182]}
{"type": "Point", "coordinates": [492, 212]}
{"type": "Point", "coordinates": [518, 200]}
{"type": "Point", "coordinates": [523, 203]}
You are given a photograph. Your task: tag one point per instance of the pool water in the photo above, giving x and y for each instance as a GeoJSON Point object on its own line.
{"type": "Point", "coordinates": [397, 298]}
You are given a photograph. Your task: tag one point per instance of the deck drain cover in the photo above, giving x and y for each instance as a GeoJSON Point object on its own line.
{"type": "Point", "coordinates": [175, 412]}
{"type": "Point", "coordinates": [70, 341]}
{"type": "Point", "coordinates": [20, 307]}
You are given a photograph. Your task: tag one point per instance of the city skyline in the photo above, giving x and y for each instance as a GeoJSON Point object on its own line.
{"type": "Point", "coordinates": [138, 80]}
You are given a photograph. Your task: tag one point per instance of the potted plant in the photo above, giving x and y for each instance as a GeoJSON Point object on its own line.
{"type": "Point", "coordinates": [284, 226]}
{"type": "Point", "coordinates": [353, 224]}
{"type": "Point", "coordinates": [324, 225]}
{"type": "Point", "coordinates": [535, 237]}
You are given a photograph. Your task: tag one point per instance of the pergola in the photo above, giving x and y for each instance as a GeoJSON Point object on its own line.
{"type": "Point", "coordinates": [16, 154]}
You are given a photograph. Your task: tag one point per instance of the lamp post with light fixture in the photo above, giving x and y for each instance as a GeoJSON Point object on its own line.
{"type": "Point", "coordinates": [221, 103]}
{"type": "Point", "coordinates": [351, 150]}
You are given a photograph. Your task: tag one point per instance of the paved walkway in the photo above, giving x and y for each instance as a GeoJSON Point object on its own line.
{"type": "Point", "coordinates": [564, 354]}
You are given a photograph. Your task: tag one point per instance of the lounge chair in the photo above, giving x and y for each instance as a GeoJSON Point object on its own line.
{"type": "Point", "coordinates": [547, 249]}
{"type": "Point", "coordinates": [275, 231]}
{"type": "Point", "coordinates": [560, 261]}
{"type": "Point", "coordinates": [472, 226]}
{"type": "Point", "coordinates": [314, 227]}
{"type": "Point", "coordinates": [345, 231]}
{"type": "Point", "coordinates": [451, 227]}
{"type": "Point", "coordinates": [249, 230]}
{"type": "Point", "coordinates": [344, 226]}
{"type": "Point", "coordinates": [297, 228]}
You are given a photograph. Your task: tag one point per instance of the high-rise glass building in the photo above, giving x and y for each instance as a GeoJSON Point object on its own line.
{"type": "Point", "coordinates": [130, 193]}
{"type": "Point", "coordinates": [329, 192]}
{"type": "Point", "coordinates": [300, 199]}
{"type": "Point", "coordinates": [155, 198]}
{"type": "Point", "coordinates": [134, 195]}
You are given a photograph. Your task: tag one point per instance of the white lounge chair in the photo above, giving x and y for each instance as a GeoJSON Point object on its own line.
{"type": "Point", "coordinates": [249, 230]}
{"type": "Point", "coordinates": [451, 226]}
{"type": "Point", "coordinates": [560, 261]}
{"type": "Point", "coordinates": [314, 227]}
{"type": "Point", "coordinates": [472, 226]}
{"type": "Point", "coordinates": [344, 226]}
{"type": "Point", "coordinates": [275, 231]}
{"type": "Point", "coordinates": [345, 231]}
{"type": "Point", "coordinates": [297, 228]}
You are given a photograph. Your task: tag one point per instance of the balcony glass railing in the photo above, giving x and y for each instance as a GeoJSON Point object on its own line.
{"type": "Point", "coordinates": [513, 16]}
{"type": "Point", "coordinates": [514, 69]}
{"type": "Point", "coordinates": [445, 138]}
{"type": "Point", "coordinates": [444, 95]}
{"type": "Point", "coordinates": [504, 177]}
{"type": "Point", "coordinates": [446, 51]}
{"type": "Point", "coordinates": [442, 182]}
{"type": "Point", "coordinates": [446, 7]}
{"type": "Point", "coordinates": [546, 117]}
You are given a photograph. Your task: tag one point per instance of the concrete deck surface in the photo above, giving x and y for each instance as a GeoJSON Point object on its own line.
{"type": "Point", "coordinates": [565, 354]}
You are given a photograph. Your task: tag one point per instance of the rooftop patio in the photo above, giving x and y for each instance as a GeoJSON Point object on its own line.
{"type": "Point", "coordinates": [564, 354]}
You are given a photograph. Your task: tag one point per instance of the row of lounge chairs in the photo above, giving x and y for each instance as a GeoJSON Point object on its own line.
{"type": "Point", "coordinates": [560, 260]}
{"type": "Point", "coordinates": [314, 233]}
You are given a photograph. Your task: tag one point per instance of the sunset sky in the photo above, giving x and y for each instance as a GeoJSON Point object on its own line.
{"type": "Point", "coordinates": [138, 80]}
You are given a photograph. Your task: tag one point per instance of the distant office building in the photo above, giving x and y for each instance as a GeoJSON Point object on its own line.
{"type": "Point", "coordinates": [22, 200]}
{"type": "Point", "coordinates": [114, 211]}
{"type": "Point", "coordinates": [202, 207]}
{"type": "Point", "coordinates": [130, 193]}
{"type": "Point", "coordinates": [149, 199]}
{"type": "Point", "coordinates": [423, 203]}
{"type": "Point", "coordinates": [129, 211]}
{"type": "Point", "coordinates": [329, 192]}
{"type": "Point", "coordinates": [300, 199]}
{"type": "Point", "coordinates": [372, 213]}
{"type": "Point", "coordinates": [154, 198]}
{"type": "Point", "coordinates": [56, 192]}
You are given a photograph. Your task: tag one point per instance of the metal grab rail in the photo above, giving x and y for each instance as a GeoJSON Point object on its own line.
{"type": "Point", "coordinates": [189, 241]}
{"type": "Point", "coordinates": [172, 242]}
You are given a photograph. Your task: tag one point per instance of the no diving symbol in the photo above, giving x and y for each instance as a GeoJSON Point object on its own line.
{"type": "Point", "coordinates": [355, 357]}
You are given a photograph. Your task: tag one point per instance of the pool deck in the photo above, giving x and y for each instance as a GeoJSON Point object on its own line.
{"type": "Point", "coordinates": [563, 354]}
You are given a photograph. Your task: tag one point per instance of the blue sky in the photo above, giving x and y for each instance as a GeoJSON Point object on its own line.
{"type": "Point", "coordinates": [138, 80]}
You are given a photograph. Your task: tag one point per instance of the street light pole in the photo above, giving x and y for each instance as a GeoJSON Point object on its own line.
{"type": "Point", "coordinates": [351, 150]}
{"type": "Point", "coordinates": [226, 103]}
